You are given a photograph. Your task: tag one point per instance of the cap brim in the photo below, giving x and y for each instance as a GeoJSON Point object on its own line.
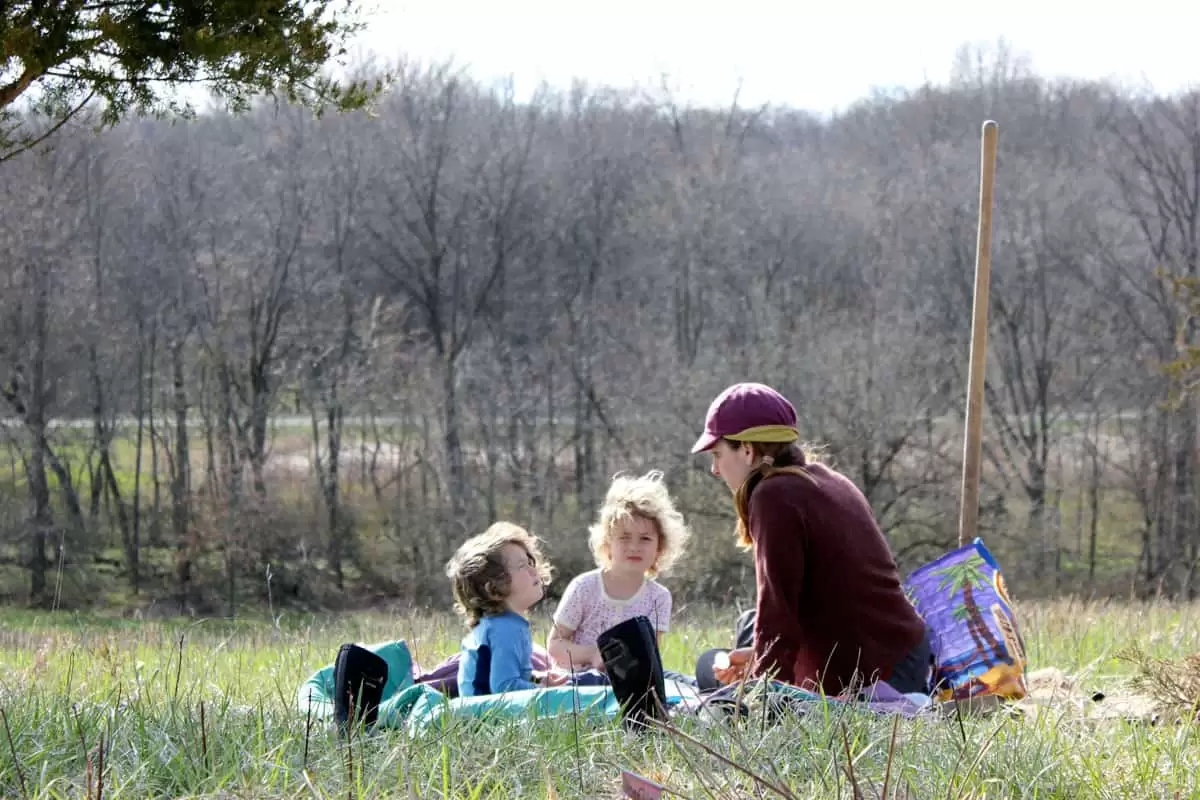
{"type": "Point", "coordinates": [705, 442]}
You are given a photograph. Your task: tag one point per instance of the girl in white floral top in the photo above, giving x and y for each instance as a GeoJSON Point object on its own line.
{"type": "Point", "coordinates": [639, 534]}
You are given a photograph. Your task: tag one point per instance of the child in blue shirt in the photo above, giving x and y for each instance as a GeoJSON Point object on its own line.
{"type": "Point", "coordinates": [497, 576]}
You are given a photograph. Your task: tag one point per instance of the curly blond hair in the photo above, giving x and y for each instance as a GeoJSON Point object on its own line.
{"type": "Point", "coordinates": [645, 497]}
{"type": "Point", "coordinates": [478, 575]}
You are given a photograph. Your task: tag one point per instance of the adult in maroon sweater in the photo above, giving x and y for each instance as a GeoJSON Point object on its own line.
{"type": "Point", "coordinates": [830, 611]}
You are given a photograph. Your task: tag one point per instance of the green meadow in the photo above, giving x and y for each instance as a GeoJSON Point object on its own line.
{"type": "Point", "coordinates": [122, 708]}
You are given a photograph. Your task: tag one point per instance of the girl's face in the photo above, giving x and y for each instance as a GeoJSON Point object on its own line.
{"type": "Point", "coordinates": [732, 464]}
{"type": "Point", "coordinates": [634, 545]}
{"type": "Point", "coordinates": [524, 583]}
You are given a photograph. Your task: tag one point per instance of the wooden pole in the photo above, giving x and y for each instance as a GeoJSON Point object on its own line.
{"type": "Point", "coordinates": [968, 517]}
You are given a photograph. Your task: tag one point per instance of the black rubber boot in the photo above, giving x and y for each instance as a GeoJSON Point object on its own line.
{"type": "Point", "coordinates": [358, 679]}
{"type": "Point", "coordinates": [634, 666]}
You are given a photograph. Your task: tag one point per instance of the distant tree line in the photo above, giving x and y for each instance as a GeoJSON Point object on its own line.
{"type": "Point", "coordinates": [278, 356]}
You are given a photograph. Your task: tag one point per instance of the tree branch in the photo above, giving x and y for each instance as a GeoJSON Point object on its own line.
{"type": "Point", "coordinates": [29, 145]}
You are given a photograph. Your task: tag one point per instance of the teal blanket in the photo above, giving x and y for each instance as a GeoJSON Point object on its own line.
{"type": "Point", "coordinates": [418, 707]}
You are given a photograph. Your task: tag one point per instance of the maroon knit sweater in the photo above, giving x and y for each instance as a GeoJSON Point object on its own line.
{"type": "Point", "coordinates": [829, 595]}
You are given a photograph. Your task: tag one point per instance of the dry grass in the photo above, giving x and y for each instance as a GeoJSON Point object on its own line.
{"type": "Point", "coordinates": [206, 709]}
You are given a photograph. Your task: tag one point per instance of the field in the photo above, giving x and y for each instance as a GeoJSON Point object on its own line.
{"type": "Point", "coordinates": [206, 708]}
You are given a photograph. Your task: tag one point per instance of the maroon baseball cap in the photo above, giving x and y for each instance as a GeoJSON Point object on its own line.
{"type": "Point", "coordinates": [748, 412]}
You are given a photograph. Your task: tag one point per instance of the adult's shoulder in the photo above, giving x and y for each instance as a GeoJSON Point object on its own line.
{"type": "Point", "coordinates": [781, 486]}
{"type": "Point", "coordinates": [787, 496]}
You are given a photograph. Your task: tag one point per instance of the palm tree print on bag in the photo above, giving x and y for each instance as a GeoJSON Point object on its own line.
{"type": "Point", "coordinates": [964, 578]}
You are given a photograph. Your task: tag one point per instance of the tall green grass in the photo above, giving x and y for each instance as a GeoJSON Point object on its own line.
{"type": "Point", "coordinates": [208, 709]}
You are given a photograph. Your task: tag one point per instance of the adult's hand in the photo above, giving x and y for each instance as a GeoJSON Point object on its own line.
{"type": "Point", "coordinates": [736, 667]}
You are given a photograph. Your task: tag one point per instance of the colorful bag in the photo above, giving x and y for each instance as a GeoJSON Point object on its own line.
{"type": "Point", "coordinates": [977, 647]}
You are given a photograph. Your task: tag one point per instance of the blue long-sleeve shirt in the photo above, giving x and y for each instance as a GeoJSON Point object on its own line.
{"type": "Point", "coordinates": [497, 656]}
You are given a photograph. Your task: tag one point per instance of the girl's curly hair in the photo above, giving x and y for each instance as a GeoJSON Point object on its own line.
{"type": "Point", "coordinates": [645, 497]}
{"type": "Point", "coordinates": [478, 575]}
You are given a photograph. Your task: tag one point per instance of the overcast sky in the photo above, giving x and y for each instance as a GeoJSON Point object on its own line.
{"type": "Point", "coordinates": [814, 55]}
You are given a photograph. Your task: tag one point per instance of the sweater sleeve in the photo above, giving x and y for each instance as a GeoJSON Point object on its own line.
{"type": "Point", "coordinates": [511, 658]}
{"type": "Point", "coordinates": [776, 527]}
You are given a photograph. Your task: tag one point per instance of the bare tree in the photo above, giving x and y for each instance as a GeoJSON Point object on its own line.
{"type": "Point", "coordinates": [452, 180]}
{"type": "Point", "coordinates": [106, 336]}
{"type": "Point", "coordinates": [179, 190]}
{"type": "Point", "coordinates": [338, 335]}
{"type": "Point", "coordinates": [40, 232]}
{"type": "Point", "coordinates": [1157, 173]}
